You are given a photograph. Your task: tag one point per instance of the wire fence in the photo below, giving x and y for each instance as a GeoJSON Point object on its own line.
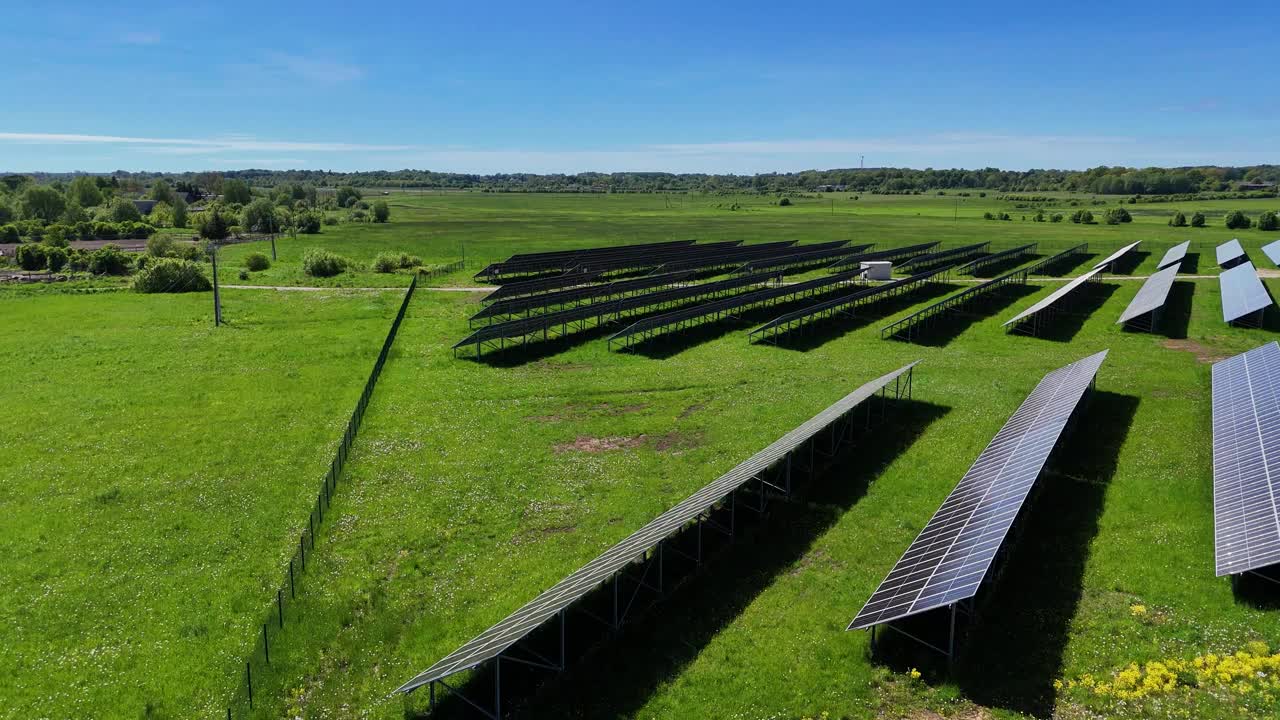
{"type": "Point", "coordinates": [246, 694]}
{"type": "Point", "coordinates": [438, 270]}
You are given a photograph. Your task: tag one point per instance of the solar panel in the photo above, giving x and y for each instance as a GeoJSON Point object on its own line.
{"type": "Point", "coordinates": [889, 254]}
{"type": "Point", "coordinates": [533, 287]}
{"type": "Point", "coordinates": [931, 259]}
{"type": "Point", "coordinates": [905, 326]}
{"type": "Point", "coordinates": [603, 250]}
{"type": "Point", "coordinates": [491, 643]}
{"type": "Point", "coordinates": [1152, 295]}
{"type": "Point", "coordinates": [1242, 292]}
{"type": "Point", "coordinates": [565, 259]}
{"type": "Point", "coordinates": [728, 259]}
{"type": "Point", "coordinates": [1047, 262]}
{"type": "Point", "coordinates": [949, 559]}
{"type": "Point", "coordinates": [1175, 255]}
{"type": "Point", "coordinates": [575, 295]}
{"type": "Point", "coordinates": [1117, 255]}
{"type": "Point", "coordinates": [992, 259]}
{"type": "Point", "coordinates": [1272, 251]}
{"type": "Point", "coordinates": [801, 259]}
{"type": "Point", "coordinates": [1055, 296]}
{"type": "Point", "coordinates": [1229, 251]}
{"type": "Point", "coordinates": [1246, 460]}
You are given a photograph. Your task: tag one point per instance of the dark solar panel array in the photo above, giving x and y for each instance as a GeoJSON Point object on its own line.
{"type": "Point", "coordinates": [491, 643]}
{"type": "Point", "coordinates": [889, 254]}
{"type": "Point", "coordinates": [841, 304]}
{"type": "Point", "coordinates": [943, 256]}
{"type": "Point", "coordinates": [1117, 255]}
{"type": "Point", "coordinates": [656, 258]}
{"type": "Point", "coordinates": [576, 295]}
{"type": "Point", "coordinates": [1152, 296]}
{"type": "Point", "coordinates": [994, 258]}
{"type": "Point", "coordinates": [1246, 460]}
{"type": "Point", "coordinates": [950, 558]}
{"type": "Point", "coordinates": [1242, 292]}
{"type": "Point", "coordinates": [1272, 251]}
{"type": "Point", "coordinates": [1175, 255]}
{"type": "Point", "coordinates": [604, 250]}
{"type": "Point", "coordinates": [1055, 296]}
{"type": "Point", "coordinates": [650, 326]}
{"type": "Point", "coordinates": [805, 258]}
{"type": "Point", "coordinates": [541, 285]}
{"type": "Point", "coordinates": [529, 263]}
{"type": "Point", "coordinates": [1229, 251]}
{"type": "Point", "coordinates": [905, 326]}
{"type": "Point", "coordinates": [729, 259]}
{"type": "Point", "coordinates": [599, 311]}
{"type": "Point", "coordinates": [1040, 265]}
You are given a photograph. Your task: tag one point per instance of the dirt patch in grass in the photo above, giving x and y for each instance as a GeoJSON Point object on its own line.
{"type": "Point", "coordinates": [584, 443]}
{"type": "Point", "coordinates": [533, 535]}
{"type": "Point", "coordinates": [690, 410]}
{"type": "Point", "coordinates": [677, 442]}
{"type": "Point", "coordinates": [1203, 354]}
{"type": "Point", "coordinates": [816, 557]}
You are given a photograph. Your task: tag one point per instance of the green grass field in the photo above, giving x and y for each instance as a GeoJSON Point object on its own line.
{"type": "Point", "coordinates": [475, 486]}
{"type": "Point", "coordinates": [156, 470]}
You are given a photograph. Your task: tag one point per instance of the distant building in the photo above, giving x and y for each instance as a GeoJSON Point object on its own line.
{"type": "Point", "coordinates": [832, 188]}
{"type": "Point", "coordinates": [144, 206]}
{"type": "Point", "coordinates": [1263, 185]}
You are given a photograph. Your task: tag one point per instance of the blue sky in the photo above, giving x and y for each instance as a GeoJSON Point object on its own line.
{"type": "Point", "coordinates": [552, 87]}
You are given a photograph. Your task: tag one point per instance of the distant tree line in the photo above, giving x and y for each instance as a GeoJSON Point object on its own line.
{"type": "Point", "coordinates": [1261, 179]}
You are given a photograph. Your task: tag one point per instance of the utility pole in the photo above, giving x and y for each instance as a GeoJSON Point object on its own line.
{"type": "Point", "coordinates": [217, 299]}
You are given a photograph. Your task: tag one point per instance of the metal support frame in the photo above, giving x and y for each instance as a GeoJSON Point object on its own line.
{"type": "Point", "coordinates": [1032, 324]}
{"type": "Point", "coordinates": [911, 325]}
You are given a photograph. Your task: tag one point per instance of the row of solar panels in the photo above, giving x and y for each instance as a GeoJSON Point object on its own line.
{"type": "Point", "coordinates": [946, 564]}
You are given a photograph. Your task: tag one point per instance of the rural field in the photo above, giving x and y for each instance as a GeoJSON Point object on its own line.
{"type": "Point", "coordinates": [160, 472]}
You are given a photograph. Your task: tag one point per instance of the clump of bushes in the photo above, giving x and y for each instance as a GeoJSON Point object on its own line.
{"type": "Point", "coordinates": [171, 275]}
{"type": "Point", "coordinates": [784, 202]}
{"type": "Point", "coordinates": [390, 262]}
{"type": "Point", "coordinates": [1198, 220]}
{"type": "Point", "coordinates": [108, 260]}
{"type": "Point", "coordinates": [31, 257]}
{"type": "Point", "coordinates": [1116, 215]}
{"type": "Point", "coordinates": [1268, 221]}
{"type": "Point", "coordinates": [1082, 217]}
{"type": "Point", "coordinates": [1237, 220]}
{"type": "Point", "coordinates": [257, 261]}
{"type": "Point", "coordinates": [317, 262]}
{"type": "Point", "coordinates": [381, 212]}
{"type": "Point", "coordinates": [1178, 220]}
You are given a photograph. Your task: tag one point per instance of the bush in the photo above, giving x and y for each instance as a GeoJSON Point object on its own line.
{"type": "Point", "coordinates": [109, 260]}
{"type": "Point", "coordinates": [192, 252]}
{"type": "Point", "coordinates": [257, 261]}
{"type": "Point", "coordinates": [1198, 220]}
{"type": "Point", "coordinates": [322, 263]}
{"type": "Point", "coordinates": [212, 225]}
{"type": "Point", "coordinates": [9, 234]}
{"type": "Point", "coordinates": [330, 220]}
{"type": "Point", "coordinates": [1115, 216]}
{"type": "Point", "coordinates": [347, 196]}
{"type": "Point", "coordinates": [381, 212]}
{"type": "Point", "coordinates": [1082, 216]}
{"type": "Point", "coordinates": [784, 202]}
{"type": "Point", "coordinates": [123, 210]}
{"type": "Point", "coordinates": [409, 261]}
{"type": "Point", "coordinates": [1268, 221]}
{"type": "Point", "coordinates": [171, 275]}
{"type": "Point", "coordinates": [56, 235]}
{"type": "Point", "coordinates": [55, 258]}
{"type": "Point", "coordinates": [1237, 220]}
{"type": "Point", "coordinates": [161, 246]}
{"type": "Point", "coordinates": [1056, 217]}
{"type": "Point", "coordinates": [77, 260]}
{"type": "Point", "coordinates": [988, 216]}
{"type": "Point", "coordinates": [31, 257]}
{"type": "Point", "coordinates": [386, 262]}
{"type": "Point", "coordinates": [1039, 216]}
{"type": "Point", "coordinates": [1178, 220]}
{"type": "Point", "coordinates": [244, 275]}
{"type": "Point", "coordinates": [309, 223]}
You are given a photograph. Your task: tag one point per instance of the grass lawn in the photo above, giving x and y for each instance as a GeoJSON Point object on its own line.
{"type": "Point", "coordinates": [156, 469]}
{"type": "Point", "coordinates": [145, 550]}
{"type": "Point", "coordinates": [474, 487]}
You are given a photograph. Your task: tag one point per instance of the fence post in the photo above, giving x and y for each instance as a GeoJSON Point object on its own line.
{"type": "Point", "coordinates": [280, 602]}
{"type": "Point", "coordinates": [248, 677]}
{"type": "Point", "coordinates": [266, 646]}
{"type": "Point", "coordinates": [293, 594]}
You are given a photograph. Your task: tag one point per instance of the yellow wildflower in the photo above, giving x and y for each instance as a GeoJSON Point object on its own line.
{"type": "Point", "coordinates": [915, 674]}
{"type": "Point", "coordinates": [1138, 609]}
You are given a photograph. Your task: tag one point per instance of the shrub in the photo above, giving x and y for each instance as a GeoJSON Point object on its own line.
{"type": "Point", "coordinates": [386, 262]}
{"type": "Point", "coordinates": [1198, 220]}
{"type": "Point", "coordinates": [244, 275]}
{"type": "Point", "coordinates": [171, 275]}
{"type": "Point", "coordinates": [322, 263]}
{"type": "Point", "coordinates": [1268, 221]}
{"type": "Point", "coordinates": [212, 225]}
{"type": "Point", "coordinates": [1004, 216]}
{"type": "Point", "coordinates": [55, 258]}
{"type": "Point", "coordinates": [409, 261]}
{"type": "Point", "coordinates": [1178, 220]}
{"type": "Point", "coordinates": [56, 235]}
{"type": "Point", "coordinates": [31, 257]}
{"type": "Point", "coordinates": [784, 202]}
{"type": "Point", "coordinates": [381, 212]}
{"type": "Point", "coordinates": [191, 251]}
{"type": "Point", "coordinates": [1039, 216]}
{"type": "Point", "coordinates": [9, 234]}
{"type": "Point", "coordinates": [1056, 217]}
{"type": "Point", "coordinates": [1237, 220]}
{"type": "Point", "coordinates": [123, 210]}
{"type": "Point", "coordinates": [109, 260]}
{"type": "Point", "coordinates": [347, 196]}
{"type": "Point", "coordinates": [330, 220]}
{"type": "Point", "coordinates": [161, 246]}
{"type": "Point", "coordinates": [257, 261]}
{"type": "Point", "coordinates": [77, 260]}
{"type": "Point", "coordinates": [309, 223]}
{"type": "Point", "coordinates": [988, 216]}
{"type": "Point", "coordinates": [1115, 216]}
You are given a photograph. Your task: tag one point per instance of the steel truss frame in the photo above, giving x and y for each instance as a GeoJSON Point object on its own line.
{"type": "Point", "coordinates": [972, 266]}
{"type": "Point", "coordinates": [911, 325]}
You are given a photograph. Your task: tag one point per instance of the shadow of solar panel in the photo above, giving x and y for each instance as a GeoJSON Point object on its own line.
{"type": "Point", "coordinates": [888, 254]}
{"type": "Point", "coordinates": [1054, 297]}
{"type": "Point", "coordinates": [1152, 295]}
{"type": "Point", "coordinates": [491, 643]}
{"type": "Point", "coordinates": [949, 559]}
{"type": "Point", "coordinates": [1228, 251]}
{"type": "Point", "coordinates": [1174, 255]}
{"type": "Point", "coordinates": [1242, 292]}
{"type": "Point", "coordinates": [1246, 460]}
{"type": "Point", "coordinates": [1117, 255]}
{"type": "Point", "coordinates": [954, 254]}
{"type": "Point", "coordinates": [541, 285]}
{"type": "Point", "coordinates": [996, 258]}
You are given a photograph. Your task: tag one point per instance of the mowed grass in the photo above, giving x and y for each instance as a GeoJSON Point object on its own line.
{"type": "Point", "coordinates": [156, 470]}
{"type": "Point", "coordinates": [474, 487]}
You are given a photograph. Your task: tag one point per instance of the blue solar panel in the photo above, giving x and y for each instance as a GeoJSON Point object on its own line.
{"type": "Point", "coordinates": [1242, 292]}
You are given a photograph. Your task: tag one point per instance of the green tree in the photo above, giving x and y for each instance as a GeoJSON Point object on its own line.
{"type": "Point", "coordinates": [1237, 220]}
{"type": "Point", "coordinates": [212, 225]}
{"type": "Point", "coordinates": [381, 212]}
{"type": "Point", "coordinates": [43, 203]}
{"type": "Point", "coordinates": [161, 215]}
{"type": "Point", "coordinates": [161, 192]}
{"type": "Point", "coordinates": [1268, 221]}
{"type": "Point", "coordinates": [347, 196]}
{"type": "Point", "coordinates": [1178, 220]}
{"type": "Point", "coordinates": [236, 192]}
{"type": "Point", "coordinates": [84, 191]}
{"type": "Point", "coordinates": [179, 212]}
{"type": "Point", "coordinates": [1198, 220]}
{"type": "Point", "coordinates": [260, 216]}
{"type": "Point", "coordinates": [123, 210]}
